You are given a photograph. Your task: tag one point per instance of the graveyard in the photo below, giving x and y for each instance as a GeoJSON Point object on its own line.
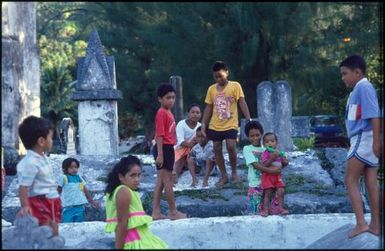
{"type": "Point", "coordinates": [320, 213]}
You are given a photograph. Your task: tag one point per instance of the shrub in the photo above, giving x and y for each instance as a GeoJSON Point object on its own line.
{"type": "Point", "coordinates": [303, 144]}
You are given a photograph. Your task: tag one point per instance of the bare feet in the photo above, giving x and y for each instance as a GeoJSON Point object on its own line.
{"type": "Point", "coordinates": [283, 211]}
{"type": "Point", "coordinates": [176, 216]}
{"type": "Point", "coordinates": [205, 183]}
{"type": "Point", "coordinates": [221, 182]}
{"type": "Point", "coordinates": [235, 178]}
{"type": "Point", "coordinates": [194, 183]}
{"type": "Point", "coordinates": [174, 177]}
{"type": "Point", "coordinates": [264, 213]}
{"type": "Point", "coordinates": [374, 230]}
{"type": "Point", "coordinates": [358, 230]}
{"type": "Point", "coordinates": [158, 216]}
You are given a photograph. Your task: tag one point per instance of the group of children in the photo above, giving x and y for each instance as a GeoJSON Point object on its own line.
{"type": "Point", "coordinates": [40, 197]}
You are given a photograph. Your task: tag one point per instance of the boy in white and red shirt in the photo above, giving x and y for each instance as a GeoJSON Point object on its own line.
{"type": "Point", "coordinates": [362, 120]}
{"type": "Point", "coordinates": [37, 184]}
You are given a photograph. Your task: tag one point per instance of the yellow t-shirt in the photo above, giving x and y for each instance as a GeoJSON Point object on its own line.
{"type": "Point", "coordinates": [225, 109]}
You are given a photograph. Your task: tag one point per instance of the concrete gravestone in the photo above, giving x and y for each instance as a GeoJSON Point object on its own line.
{"type": "Point", "coordinates": [275, 111]}
{"type": "Point", "coordinates": [97, 95]}
{"type": "Point", "coordinates": [68, 132]}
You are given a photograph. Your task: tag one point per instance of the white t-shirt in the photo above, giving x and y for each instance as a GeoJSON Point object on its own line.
{"type": "Point", "coordinates": [184, 132]}
{"type": "Point", "coordinates": [36, 172]}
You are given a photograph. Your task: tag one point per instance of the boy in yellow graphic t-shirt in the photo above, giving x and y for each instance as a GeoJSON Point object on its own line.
{"type": "Point", "coordinates": [221, 108]}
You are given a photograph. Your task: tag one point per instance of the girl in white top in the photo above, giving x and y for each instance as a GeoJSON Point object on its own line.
{"type": "Point", "coordinates": [185, 133]}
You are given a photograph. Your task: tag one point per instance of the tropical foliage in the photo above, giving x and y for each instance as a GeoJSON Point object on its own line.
{"type": "Point", "coordinates": [301, 42]}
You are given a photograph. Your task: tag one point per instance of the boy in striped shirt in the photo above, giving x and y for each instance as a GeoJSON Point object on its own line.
{"type": "Point", "coordinates": [362, 120]}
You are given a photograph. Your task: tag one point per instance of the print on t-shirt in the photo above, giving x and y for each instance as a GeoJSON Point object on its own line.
{"type": "Point", "coordinates": [222, 106]}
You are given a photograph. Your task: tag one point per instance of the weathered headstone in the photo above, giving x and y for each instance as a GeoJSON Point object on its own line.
{"type": "Point", "coordinates": [299, 127]}
{"type": "Point", "coordinates": [97, 95]}
{"type": "Point", "coordinates": [282, 115]}
{"type": "Point", "coordinates": [275, 111]}
{"type": "Point", "coordinates": [27, 234]}
{"type": "Point", "coordinates": [68, 131]}
{"type": "Point", "coordinates": [265, 105]}
{"type": "Point", "coordinates": [176, 82]}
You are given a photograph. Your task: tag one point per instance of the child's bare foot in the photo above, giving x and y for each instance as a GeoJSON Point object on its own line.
{"type": "Point", "coordinates": [374, 229]}
{"type": "Point", "coordinates": [358, 230]}
{"type": "Point", "coordinates": [176, 216]}
{"type": "Point", "coordinates": [158, 216]}
{"type": "Point", "coordinates": [283, 211]}
{"type": "Point", "coordinates": [194, 183]}
{"type": "Point", "coordinates": [235, 178]}
{"type": "Point", "coordinates": [174, 177]}
{"type": "Point", "coordinates": [205, 183]}
{"type": "Point", "coordinates": [264, 213]}
{"type": "Point", "coordinates": [221, 182]}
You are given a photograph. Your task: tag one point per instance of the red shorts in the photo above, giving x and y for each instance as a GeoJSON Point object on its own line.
{"type": "Point", "coordinates": [45, 210]}
{"type": "Point", "coordinates": [272, 180]}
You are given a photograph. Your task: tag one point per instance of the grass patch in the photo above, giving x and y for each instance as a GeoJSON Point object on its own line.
{"type": "Point", "coordinates": [294, 179]}
{"type": "Point", "coordinates": [147, 201]}
{"type": "Point", "coordinates": [303, 144]}
{"type": "Point", "coordinates": [325, 162]}
{"type": "Point", "coordinates": [102, 178]}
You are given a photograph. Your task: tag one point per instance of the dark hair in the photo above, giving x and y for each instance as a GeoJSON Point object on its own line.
{"type": "Point", "coordinates": [67, 163]}
{"type": "Point", "coordinates": [219, 65]}
{"type": "Point", "coordinates": [164, 88]}
{"type": "Point", "coordinates": [122, 167]}
{"type": "Point", "coordinates": [253, 124]}
{"type": "Point", "coordinates": [269, 133]}
{"type": "Point", "coordinates": [192, 105]}
{"type": "Point", "coordinates": [198, 129]}
{"type": "Point", "coordinates": [354, 62]}
{"type": "Point", "coordinates": [32, 128]}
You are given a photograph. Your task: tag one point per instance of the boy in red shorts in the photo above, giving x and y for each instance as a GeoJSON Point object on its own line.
{"type": "Point", "coordinates": [37, 185]}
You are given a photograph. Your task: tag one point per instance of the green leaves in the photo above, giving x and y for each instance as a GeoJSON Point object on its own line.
{"type": "Point", "coordinates": [301, 42]}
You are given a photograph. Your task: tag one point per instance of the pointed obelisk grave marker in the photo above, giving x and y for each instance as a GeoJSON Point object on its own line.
{"type": "Point", "coordinates": [97, 95]}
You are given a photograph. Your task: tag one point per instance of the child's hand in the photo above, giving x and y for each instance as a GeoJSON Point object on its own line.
{"type": "Point", "coordinates": [203, 130]}
{"type": "Point", "coordinates": [25, 211]}
{"type": "Point", "coordinates": [285, 162]}
{"type": "Point", "coordinates": [275, 169]}
{"type": "Point", "coordinates": [159, 160]}
{"type": "Point", "coordinates": [376, 148]}
{"type": "Point", "coordinates": [95, 204]}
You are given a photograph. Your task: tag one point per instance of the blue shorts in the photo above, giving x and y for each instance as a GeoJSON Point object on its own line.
{"type": "Point", "coordinates": [73, 213]}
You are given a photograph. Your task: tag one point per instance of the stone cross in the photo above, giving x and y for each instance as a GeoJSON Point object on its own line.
{"type": "Point", "coordinates": [275, 111]}
{"type": "Point", "coordinates": [97, 95]}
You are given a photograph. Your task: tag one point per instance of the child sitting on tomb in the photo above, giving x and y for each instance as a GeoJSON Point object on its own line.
{"type": "Point", "coordinates": [202, 156]}
{"type": "Point", "coordinates": [124, 209]}
{"type": "Point", "coordinates": [185, 134]}
{"type": "Point", "coordinates": [74, 194]}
